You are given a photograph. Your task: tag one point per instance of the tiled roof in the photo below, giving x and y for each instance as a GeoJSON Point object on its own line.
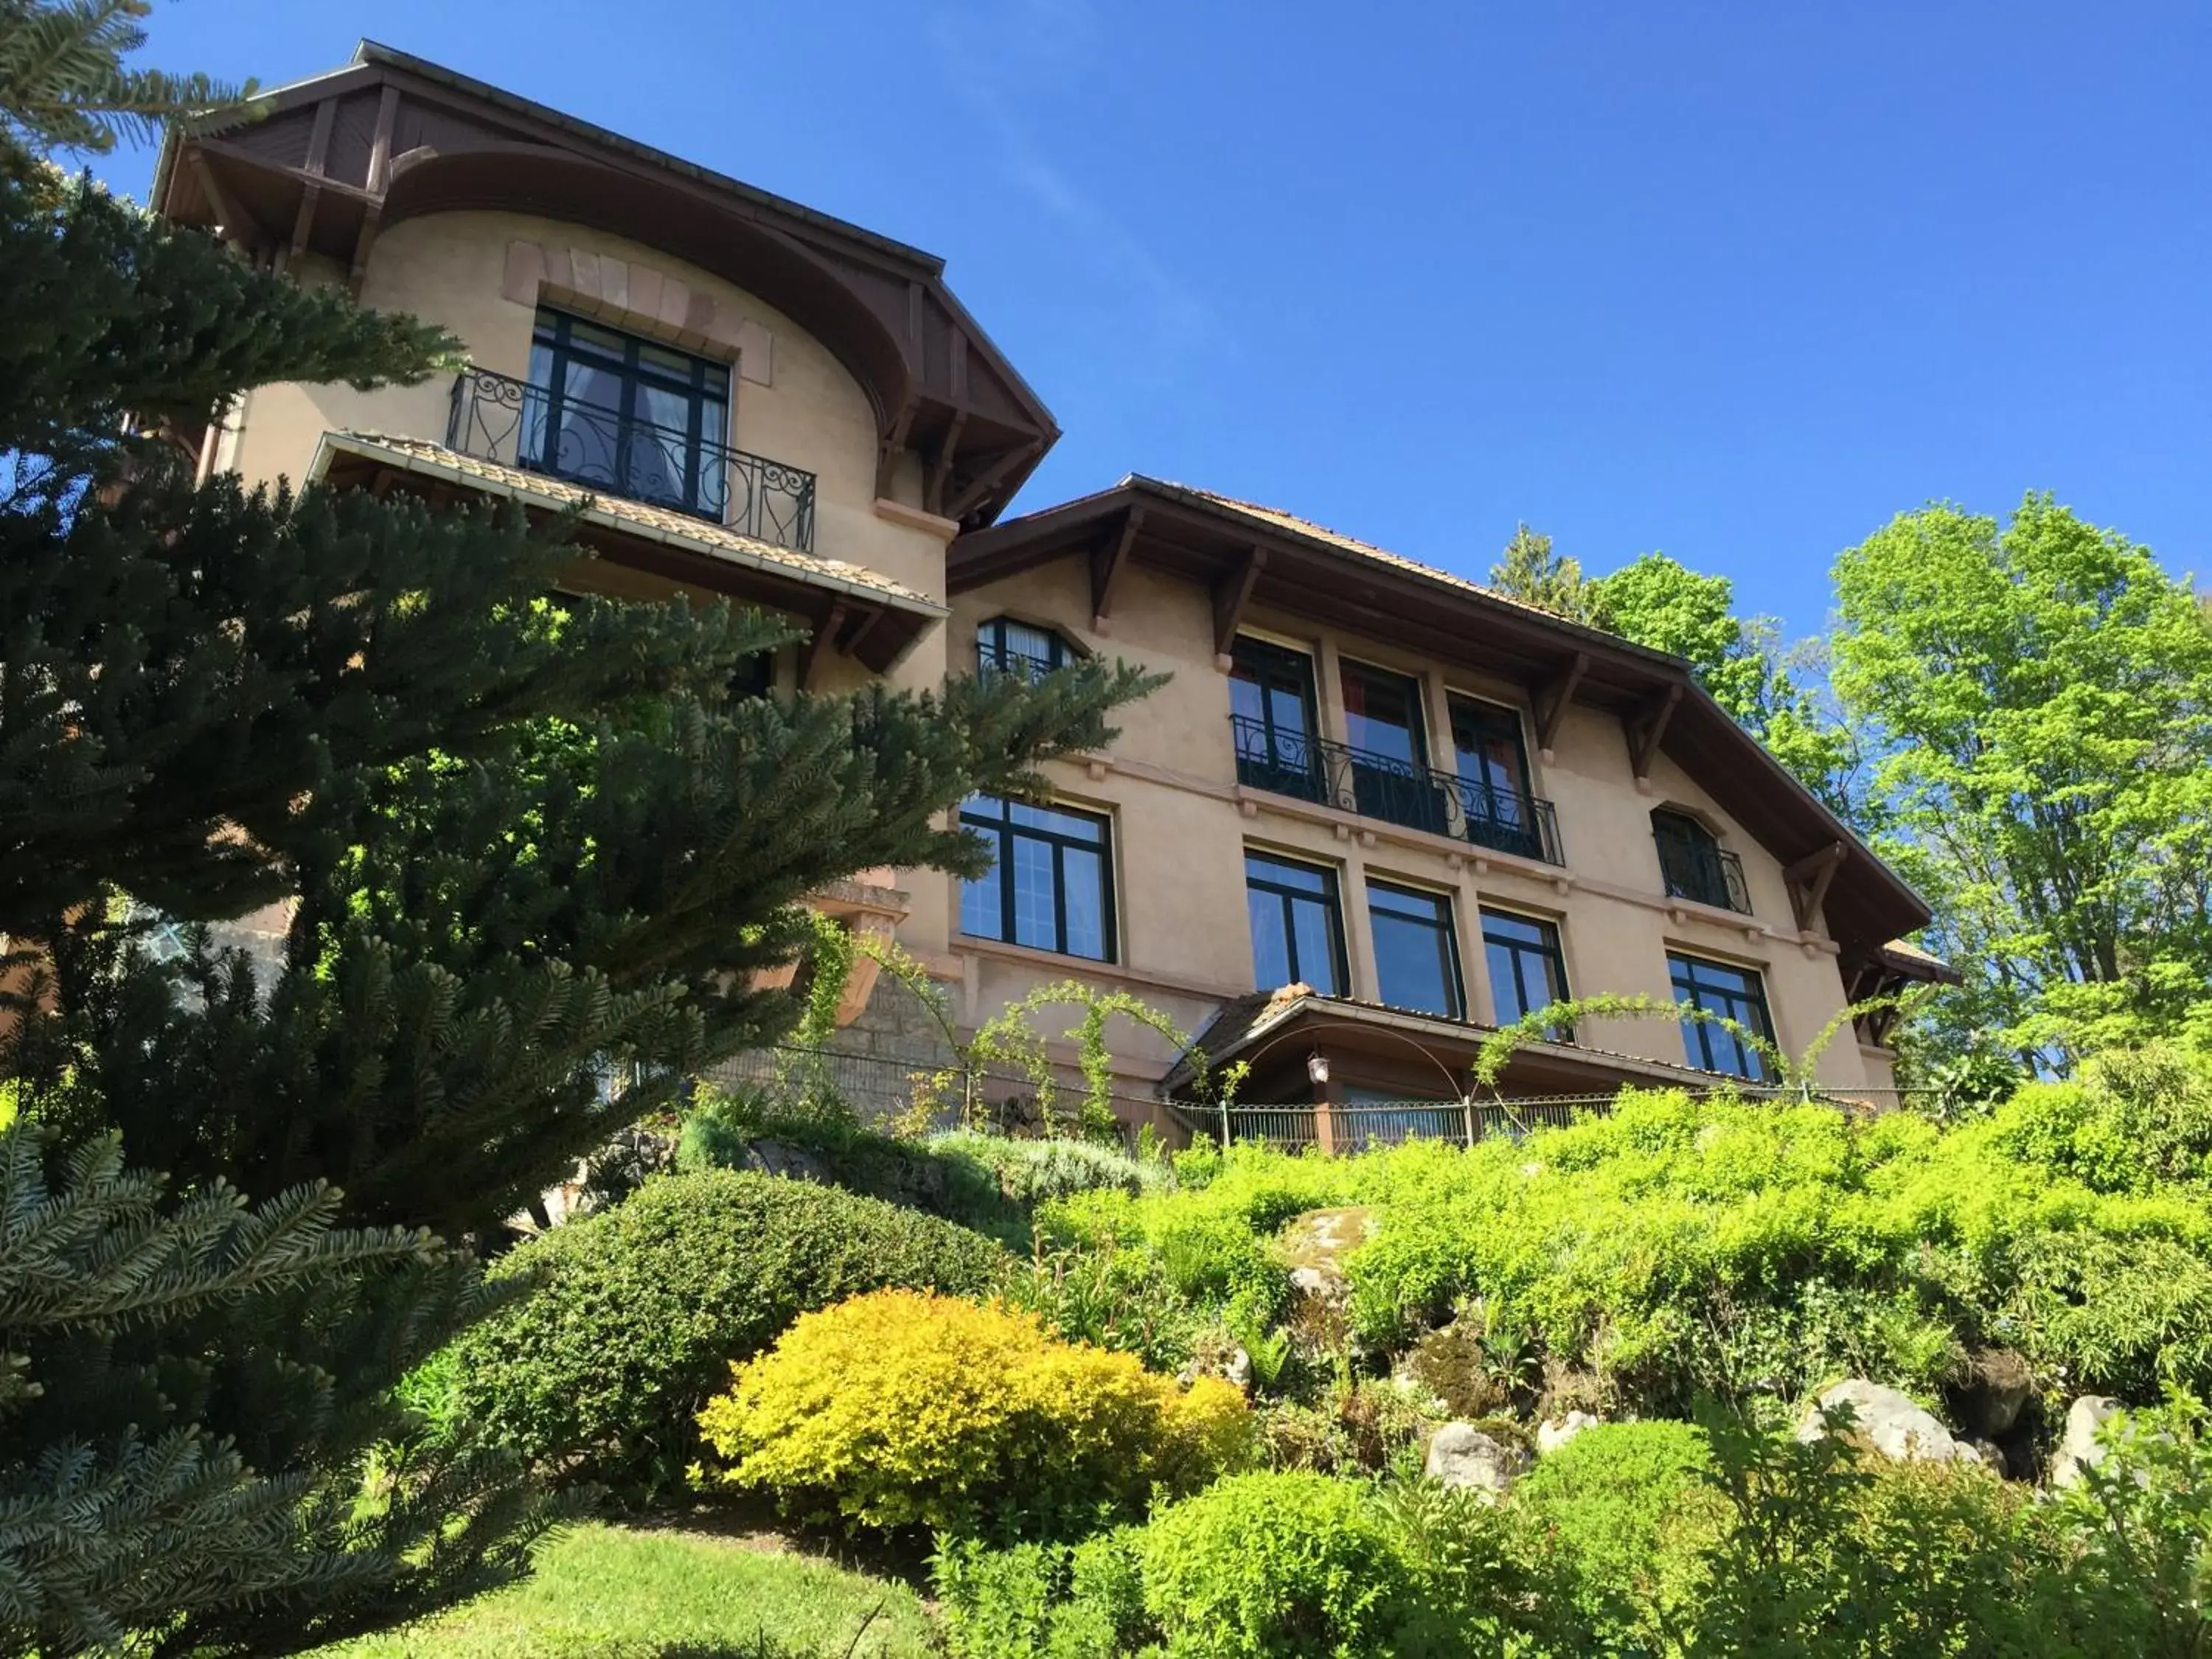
{"type": "Point", "coordinates": [1276, 519]}
{"type": "Point", "coordinates": [714, 540]}
{"type": "Point", "coordinates": [1907, 958]}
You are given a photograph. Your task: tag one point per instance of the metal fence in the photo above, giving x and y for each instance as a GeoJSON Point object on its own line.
{"type": "Point", "coordinates": [943, 1094]}
{"type": "Point", "coordinates": [1349, 1128]}
{"type": "Point", "coordinates": [939, 1092]}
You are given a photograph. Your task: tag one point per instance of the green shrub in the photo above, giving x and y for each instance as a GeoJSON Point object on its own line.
{"type": "Point", "coordinates": [600, 1371]}
{"type": "Point", "coordinates": [901, 1407]}
{"type": "Point", "coordinates": [1630, 1510]}
{"type": "Point", "coordinates": [1033, 1172]}
{"type": "Point", "coordinates": [1122, 1300]}
{"type": "Point", "coordinates": [1043, 1600]}
{"type": "Point", "coordinates": [1261, 1565]}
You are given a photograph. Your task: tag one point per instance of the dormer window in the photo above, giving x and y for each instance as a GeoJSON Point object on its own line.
{"type": "Point", "coordinates": [1004, 646]}
{"type": "Point", "coordinates": [1695, 865]}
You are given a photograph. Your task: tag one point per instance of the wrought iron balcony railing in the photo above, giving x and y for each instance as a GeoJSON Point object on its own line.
{"type": "Point", "coordinates": [1703, 873]}
{"type": "Point", "coordinates": [497, 418]}
{"type": "Point", "coordinates": [1380, 787]}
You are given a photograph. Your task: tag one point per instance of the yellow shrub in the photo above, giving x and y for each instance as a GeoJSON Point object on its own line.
{"type": "Point", "coordinates": [903, 1406]}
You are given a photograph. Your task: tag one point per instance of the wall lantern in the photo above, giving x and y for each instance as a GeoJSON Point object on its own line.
{"type": "Point", "coordinates": [1317, 1068]}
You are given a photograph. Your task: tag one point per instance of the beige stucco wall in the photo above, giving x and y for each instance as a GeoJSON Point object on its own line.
{"type": "Point", "coordinates": [450, 269]}
{"type": "Point", "coordinates": [1181, 824]}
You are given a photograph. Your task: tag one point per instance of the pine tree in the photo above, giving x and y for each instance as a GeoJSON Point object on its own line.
{"type": "Point", "coordinates": [1531, 572]}
{"type": "Point", "coordinates": [526, 848]}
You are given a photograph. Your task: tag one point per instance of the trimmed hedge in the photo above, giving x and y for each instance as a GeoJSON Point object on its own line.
{"type": "Point", "coordinates": [599, 1373]}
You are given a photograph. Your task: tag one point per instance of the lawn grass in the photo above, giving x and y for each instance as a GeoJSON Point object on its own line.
{"type": "Point", "coordinates": [619, 1593]}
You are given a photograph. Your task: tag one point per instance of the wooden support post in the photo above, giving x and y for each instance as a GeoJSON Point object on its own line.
{"type": "Point", "coordinates": [1107, 561]}
{"type": "Point", "coordinates": [1554, 710]}
{"type": "Point", "coordinates": [1231, 595]}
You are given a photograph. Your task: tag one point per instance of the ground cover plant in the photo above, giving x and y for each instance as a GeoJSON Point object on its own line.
{"type": "Point", "coordinates": [605, 1592]}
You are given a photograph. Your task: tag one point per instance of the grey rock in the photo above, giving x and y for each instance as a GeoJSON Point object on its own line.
{"type": "Point", "coordinates": [1310, 1281]}
{"type": "Point", "coordinates": [1989, 1455]}
{"type": "Point", "coordinates": [1238, 1370]}
{"type": "Point", "coordinates": [1463, 1456]}
{"type": "Point", "coordinates": [2077, 1447]}
{"type": "Point", "coordinates": [1888, 1422]}
{"type": "Point", "coordinates": [1557, 1431]}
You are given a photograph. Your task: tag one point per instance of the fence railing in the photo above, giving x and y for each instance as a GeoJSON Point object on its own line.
{"type": "Point", "coordinates": [880, 1088]}
{"type": "Point", "coordinates": [498, 418]}
{"type": "Point", "coordinates": [1702, 873]}
{"type": "Point", "coordinates": [1376, 786]}
{"type": "Point", "coordinates": [1350, 1128]}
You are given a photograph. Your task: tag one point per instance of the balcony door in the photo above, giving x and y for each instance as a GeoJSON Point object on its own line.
{"type": "Point", "coordinates": [1390, 775]}
{"type": "Point", "coordinates": [607, 408]}
{"type": "Point", "coordinates": [1493, 762]}
{"type": "Point", "coordinates": [1271, 708]}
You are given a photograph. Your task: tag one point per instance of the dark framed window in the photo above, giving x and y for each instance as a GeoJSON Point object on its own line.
{"type": "Point", "coordinates": [754, 676]}
{"type": "Point", "coordinates": [1004, 646]}
{"type": "Point", "coordinates": [1735, 993]}
{"type": "Point", "coordinates": [1390, 775]}
{"type": "Point", "coordinates": [1695, 865]}
{"type": "Point", "coordinates": [644, 419]}
{"type": "Point", "coordinates": [1416, 955]}
{"type": "Point", "coordinates": [1271, 709]}
{"type": "Point", "coordinates": [1527, 970]}
{"type": "Point", "coordinates": [1050, 885]}
{"type": "Point", "coordinates": [1297, 926]}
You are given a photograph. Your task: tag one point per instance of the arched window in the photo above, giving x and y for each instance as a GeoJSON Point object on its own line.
{"type": "Point", "coordinates": [1695, 865]}
{"type": "Point", "coordinates": [1004, 646]}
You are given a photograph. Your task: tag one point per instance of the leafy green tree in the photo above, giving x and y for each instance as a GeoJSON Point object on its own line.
{"type": "Point", "coordinates": [1657, 601]}
{"type": "Point", "coordinates": [1528, 570]}
{"type": "Point", "coordinates": [524, 852]}
{"type": "Point", "coordinates": [2039, 695]}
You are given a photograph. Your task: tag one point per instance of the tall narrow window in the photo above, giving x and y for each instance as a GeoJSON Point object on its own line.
{"type": "Point", "coordinates": [1270, 711]}
{"type": "Point", "coordinates": [1390, 775]}
{"type": "Point", "coordinates": [608, 408]}
{"type": "Point", "coordinates": [1732, 993]}
{"type": "Point", "coordinates": [1297, 927]}
{"type": "Point", "coordinates": [1416, 958]}
{"type": "Point", "coordinates": [1004, 646]}
{"type": "Point", "coordinates": [1493, 762]}
{"type": "Point", "coordinates": [1527, 971]}
{"type": "Point", "coordinates": [1050, 885]}
{"type": "Point", "coordinates": [1693, 866]}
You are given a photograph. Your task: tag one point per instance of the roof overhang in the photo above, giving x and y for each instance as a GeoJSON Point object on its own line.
{"type": "Point", "coordinates": [873, 621]}
{"type": "Point", "coordinates": [1247, 558]}
{"type": "Point", "coordinates": [323, 165]}
{"type": "Point", "coordinates": [1420, 1055]}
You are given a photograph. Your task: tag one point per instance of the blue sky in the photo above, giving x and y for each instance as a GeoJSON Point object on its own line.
{"type": "Point", "coordinates": [1734, 281]}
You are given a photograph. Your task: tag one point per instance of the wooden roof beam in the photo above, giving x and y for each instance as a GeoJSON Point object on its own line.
{"type": "Point", "coordinates": [1648, 731]}
{"type": "Point", "coordinates": [1232, 593]}
{"type": "Point", "coordinates": [979, 488]}
{"type": "Point", "coordinates": [892, 443]}
{"type": "Point", "coordinates": [1107, 561]}
{"type": "Point", "coordinates": [1808, 881]}
{"type": "Point", "coordinates": [933, 491]}
{"type": "Point", "coordinates": [811, 652]}
{"type": "Point", "coordinates": [1557, 697]}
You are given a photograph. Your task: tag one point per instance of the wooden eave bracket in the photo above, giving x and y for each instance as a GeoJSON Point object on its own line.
{"type": "Point", "coordinates": [1557, 697]}
{"type": "Point", "coordinates": [1647, 732]}
{"type": "Point", "coordinates": [972, 494]}
{"type": "Point", "coordinates": [893, 442]}
{"type": "Point", "coordinates": [1231, 595]}
{"type": "Point", "coordinates": [1107, 561]}
{"type": "Point", "coordinates": [819, 640]}
{"type": "Point", "coordinates": [941, 468]}
{"type": "Point", "coordinates": [1807, 880]}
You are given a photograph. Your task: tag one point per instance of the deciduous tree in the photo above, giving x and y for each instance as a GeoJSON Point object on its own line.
{"type": "Point", "coordinates": [2041, 695]}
